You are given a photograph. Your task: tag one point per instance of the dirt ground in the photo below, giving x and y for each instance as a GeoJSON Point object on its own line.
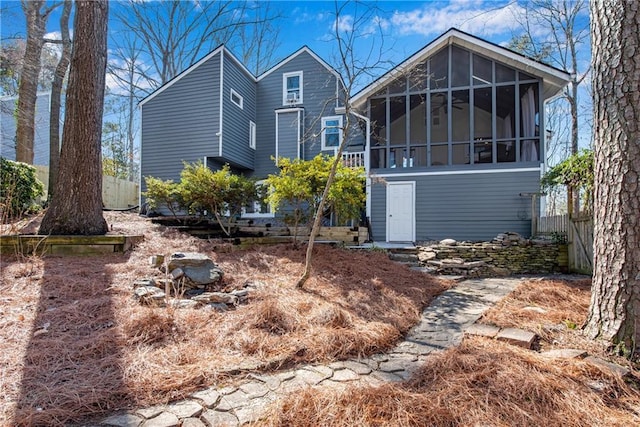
{"type": "Point", "coordinates": [76, 344]}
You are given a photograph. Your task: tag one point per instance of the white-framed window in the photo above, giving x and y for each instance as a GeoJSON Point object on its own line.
{"type": "Point", "coordinates": [331, 132]}
{"type": "Point", "coordinates": [236, 98]}
{"type": "Point", "coordinates": [292, 88]}
{"type": "Point", "coordinates": [259, 208]}
{"type": "Point", "coordinates": [252, 135]}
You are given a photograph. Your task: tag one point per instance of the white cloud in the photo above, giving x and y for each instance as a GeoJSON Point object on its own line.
{"type": "Point", "coordinates": [473, 16]}
{"type": "Point", "coordinates": [344, 23]}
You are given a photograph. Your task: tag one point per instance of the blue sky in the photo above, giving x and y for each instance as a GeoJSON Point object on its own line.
{"type": "Point", "coordinates": [407, 25]}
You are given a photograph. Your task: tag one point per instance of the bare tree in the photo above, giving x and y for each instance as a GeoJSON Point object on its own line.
{"type": "Point", "coordinates": [76, 207]}
{"type": "Point", "coordinates": [56, 93]}
{"type": "Point", "coordinates": [354, 64]}
{"type": "Point", "coordinates": [37, 15]}
{"type": "Point", "coordinates": [258, 39]}
{"type": "Point", "coordinates": [565, 34]}
{"type": "Point", "coordinates": [127, 71]}
{"type": "Point", "coordinates": [614, 314]}
{"type": "Point", "coordinates": [174, 34]}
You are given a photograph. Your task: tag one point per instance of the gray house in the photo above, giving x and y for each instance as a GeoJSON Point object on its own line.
{"type": "Point", "coordinates": [452, 138]}
{"type": "Point", "coordinates": [219, 112]}
{"type": "Point", "coordinates": [8, 105]}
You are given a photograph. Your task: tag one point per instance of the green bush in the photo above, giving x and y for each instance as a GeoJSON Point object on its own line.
{"type": "Point", "coordinates": [19, 188]}
{"type": "Point", "coordinates": [576, 171]}
{"type": "Point", "coordinates": [299, 185]}
{"type": "Point", "coordinates": [220, 193]}
{"type": "Point", "coordinates": [162, 194]}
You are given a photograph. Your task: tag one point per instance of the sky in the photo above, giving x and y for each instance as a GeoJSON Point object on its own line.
{"type": "Point", "coordinates": [407, 26]}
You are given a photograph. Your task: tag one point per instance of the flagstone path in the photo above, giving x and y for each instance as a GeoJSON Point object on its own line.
{"type": "Point", "coordinates": [441, 326]}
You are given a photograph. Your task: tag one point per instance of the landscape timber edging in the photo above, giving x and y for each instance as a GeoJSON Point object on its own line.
{"type": "Point", "coordinates": [67, 245]}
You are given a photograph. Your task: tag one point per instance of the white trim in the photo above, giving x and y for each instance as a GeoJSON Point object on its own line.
{"type": "Point", "coordinates": [413, 208]}
{"type": "Point", "coordinates": [460, 172]}
{"type": "Point", "coordinates": [323, 132]}
{"type": "Point", "coordinates": [252, 134]}
{"type": "Point", "coordinates": [549, 74]}
{"type": "Point", "coordinates": [285, 93]}
{"type": "Point", "coordinates": [303, 49]}
{"type": "Point", "coordinates": [221, 100]}
{"type": "Point", "coordinates": [299, 110]}
{"type": "Point", "coordinates": [288, 110]}
{"type": "Point", "coordinates": [277, 137]}
{"type": "Point", "coordinates": [233, 93]}
{"type": "Point", "coordinates": [270, 214]}
{"type": "Point", "coordinates": [298, 138]}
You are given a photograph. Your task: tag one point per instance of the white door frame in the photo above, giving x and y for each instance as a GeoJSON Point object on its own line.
{"type": "Point", "coordinates": [413, 207]}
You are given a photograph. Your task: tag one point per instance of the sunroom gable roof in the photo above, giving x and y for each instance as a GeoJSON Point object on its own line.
{"type": "Point", "coordinates": [554, 78]}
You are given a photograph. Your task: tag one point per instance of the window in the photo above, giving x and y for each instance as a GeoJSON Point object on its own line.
{"type": "Point", "coordinates": [292, 88]}
{"type": "Point", "coordinates": [252, 135]}
{"type": "Point", "coordinates": [236, 98]}
{"type": "Point", "coordinates": [331, 132]}
{"type": "Point", "coordinates": [259, 208]}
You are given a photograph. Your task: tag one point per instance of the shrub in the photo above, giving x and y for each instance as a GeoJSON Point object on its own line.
{"type": "Point", "coordinates": [220, 193]}
{"type": "Point", "coordinates": [19, 187]}
{"type": "Point", "coordinates": [162, 194]}
{"type": "Point", "coordinates": [299, 185]}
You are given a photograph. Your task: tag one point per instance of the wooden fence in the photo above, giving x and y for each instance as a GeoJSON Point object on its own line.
{"type": "Point", "coordinates": [578, 231]}
{"type": "Point", "coordinates": [548, 225]}
{"type": "Point", "coordinates": [116, 193]}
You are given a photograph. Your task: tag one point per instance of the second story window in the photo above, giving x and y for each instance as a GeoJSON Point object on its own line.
{"type": "Point", "coordinates": [236, 98]}
{"type": "Point", "coordinates": [331, 132]}
{"type": "Point", "coordinates": [292, 88]}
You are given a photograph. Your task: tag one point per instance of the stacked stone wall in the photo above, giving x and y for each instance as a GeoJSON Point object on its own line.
{"type": "Point", "coordinates": [499, 257]}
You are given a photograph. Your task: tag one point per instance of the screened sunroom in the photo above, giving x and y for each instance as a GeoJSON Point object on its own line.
{"type": "Point", "coordinates": [456, 108]}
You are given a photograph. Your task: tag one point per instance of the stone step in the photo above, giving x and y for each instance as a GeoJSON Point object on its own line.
{"type": "Point", "coordinates": [404, 257]}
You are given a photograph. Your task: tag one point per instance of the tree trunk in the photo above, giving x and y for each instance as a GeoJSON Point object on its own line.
{"type": "Point", "coordinates": [56, 92]}
{"type": "Point", "coordinates": [28, 89]}
{"type": "Point", "coordinates": [325, 194]}
{"type": "Point", "coordinates": [614, 314]}
{"type": "Point", "coordinates": [76, 207]}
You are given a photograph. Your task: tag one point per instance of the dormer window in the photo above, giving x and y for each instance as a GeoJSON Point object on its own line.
{"type": "Point", "coordinates": [292, 88]}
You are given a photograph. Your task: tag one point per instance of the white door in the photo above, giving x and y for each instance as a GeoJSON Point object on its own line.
{"type": "Point", "coordinates": [400, 211]}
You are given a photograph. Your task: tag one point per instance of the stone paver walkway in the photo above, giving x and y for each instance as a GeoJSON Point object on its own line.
{"type": "Point", "coordinates": [441, 326]}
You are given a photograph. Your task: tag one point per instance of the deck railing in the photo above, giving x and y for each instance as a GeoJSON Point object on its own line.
{"type": "Point", "coordinates": [353, 159]}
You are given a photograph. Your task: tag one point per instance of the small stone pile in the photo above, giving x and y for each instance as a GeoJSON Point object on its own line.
{"type": "Point", "coordinates": [192, 280]}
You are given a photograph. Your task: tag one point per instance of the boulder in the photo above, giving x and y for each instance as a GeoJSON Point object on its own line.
{"type": "Point", "coordinates": [448, 242]}
{"type": "Point", "coordinates": [197, 268]}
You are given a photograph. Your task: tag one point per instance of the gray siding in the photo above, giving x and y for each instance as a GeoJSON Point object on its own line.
{"type": "Point", "coordinates": [235, 124]}
{"type": "Point", "coordinates": [319, 92]}
{"type": "Point", "coordinates": [180, 123]}
{"type": "Point", "coordinates": [288, 132]}
{"type": "Point", "coordinates": [474, 206]}
{"type": "Point", "coordinates": [41, 129]}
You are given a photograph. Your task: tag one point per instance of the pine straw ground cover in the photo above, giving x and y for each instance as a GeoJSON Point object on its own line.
{"type": "Point", "coordinates": [485, 382]}
{"type": "Point", "coordinates": [75, 344]}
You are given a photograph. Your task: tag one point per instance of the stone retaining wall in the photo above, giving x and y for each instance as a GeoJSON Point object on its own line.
{"type": "Point", "coordinates": [499, 257]}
